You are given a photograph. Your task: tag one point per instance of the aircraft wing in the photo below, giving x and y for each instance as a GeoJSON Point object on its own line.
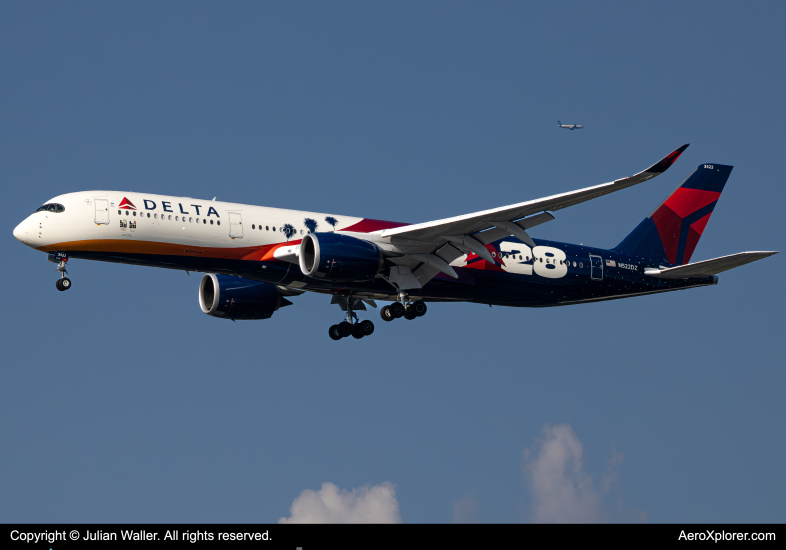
{"type": "Point", "coordinates": [477, 221]}
{"type": "Point", "coordinates": [707, 267]}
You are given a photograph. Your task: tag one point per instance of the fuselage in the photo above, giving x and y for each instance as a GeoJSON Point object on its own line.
{"type": "Point", "coordinates": [248, 241]}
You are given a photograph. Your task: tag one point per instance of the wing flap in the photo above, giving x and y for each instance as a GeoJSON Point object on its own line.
{"type": "Point", "coordinates": [707, 268]}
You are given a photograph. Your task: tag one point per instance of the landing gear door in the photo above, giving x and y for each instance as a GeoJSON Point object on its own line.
{"type": "Point", "coordinates": [596, 268]}
{"type": "Point", "coordinates": [235, 225]}
{"type": "Point", "coordinates": [102, 211]}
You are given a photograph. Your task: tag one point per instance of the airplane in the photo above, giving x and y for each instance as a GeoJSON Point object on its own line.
{"type": "Point", "coordinates": [569, 126]}
{"type": "Point", "coordinates": [255, 258]}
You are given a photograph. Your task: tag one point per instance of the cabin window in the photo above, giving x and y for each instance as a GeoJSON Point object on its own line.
{"type": "Point", "coordinates": [211, 222]}
{"type": "Point", "coordinates": [218, 222]}
{"type": "Point", "coordinates": [177, 218]}
{"type": "Point", "coordinates": [204, 222]}
{"type": "Point", "coordinates": [267, 228]}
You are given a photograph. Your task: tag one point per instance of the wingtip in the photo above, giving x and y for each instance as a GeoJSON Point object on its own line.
{"type": "Point", "coordinates": [666, 162]}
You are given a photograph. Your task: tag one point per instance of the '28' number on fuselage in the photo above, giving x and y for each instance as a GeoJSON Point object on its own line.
{"type": "Point", "coordinates": [548, 261]}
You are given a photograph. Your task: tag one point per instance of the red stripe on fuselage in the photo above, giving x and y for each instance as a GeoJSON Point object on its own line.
{"type": "Point", "coordinates": [367, 225]}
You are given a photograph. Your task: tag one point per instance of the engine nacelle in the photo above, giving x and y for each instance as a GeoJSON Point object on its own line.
{"type": "Point", "coordinates": [236, 298]}
{"type": "Point", "coordinates": [339, 257]}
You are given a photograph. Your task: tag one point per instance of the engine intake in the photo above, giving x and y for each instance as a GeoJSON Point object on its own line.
{"type": "Point", "coordinates": [339, 257]}
{"type": "Point", "coordinates": [236, 298]}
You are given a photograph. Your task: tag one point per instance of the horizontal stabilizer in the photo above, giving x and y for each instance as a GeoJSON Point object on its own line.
{"type": "Point", "coordinates": [707, 267]}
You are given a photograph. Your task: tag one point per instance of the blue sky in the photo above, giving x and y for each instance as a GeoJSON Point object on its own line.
{"type": "Point", "coordinates": [121, 401]}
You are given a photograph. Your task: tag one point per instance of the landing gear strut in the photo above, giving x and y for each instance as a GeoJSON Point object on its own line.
{"type": "Point", "coordinates": [352, 326]}
{"type": "Point", "coordinates": [63, 283]}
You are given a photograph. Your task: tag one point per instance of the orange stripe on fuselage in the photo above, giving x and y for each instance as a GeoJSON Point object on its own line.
{"type": "Point", "coordinates": [132, 246]}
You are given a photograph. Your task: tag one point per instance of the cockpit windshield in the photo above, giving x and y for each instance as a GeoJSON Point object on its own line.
{"type": "Point", "coordinates": [51, 207]}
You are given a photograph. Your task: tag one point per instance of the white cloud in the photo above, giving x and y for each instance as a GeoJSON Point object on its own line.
{"type": "Point", "coordinates": [561, 491]}
{"type": "Point", "coordinates": [466, 510]}
{"type": "Point", "coordinates": [366, 504]}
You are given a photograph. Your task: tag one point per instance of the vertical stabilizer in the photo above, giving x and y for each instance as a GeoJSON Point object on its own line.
{"type": "Point", "coordinates": [670, 234]}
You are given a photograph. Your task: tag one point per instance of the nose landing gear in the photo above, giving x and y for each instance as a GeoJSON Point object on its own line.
{"type": "Point", "coordinates": [63, 283]}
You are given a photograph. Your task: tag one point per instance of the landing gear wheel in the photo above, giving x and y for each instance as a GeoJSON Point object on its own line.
{"type": "Point", "coordinates": [367, 327]}
{"type": "Point", "coordinates": [396, 309]}
{"type": "Point", "coordinates": [386, 314]}
{"type": "Point", "coordinates": [419, 308]}
{"type": "Point", "coordinates": [333, 332]}
{"type": "Point", "coordinates": [410, 313]}
{"type": "Point", "coordinates": [344, 329]}
{"type": "Point", "coordinates": [357, 331]}
{"type": "Point", "coordinates": [63, 284]}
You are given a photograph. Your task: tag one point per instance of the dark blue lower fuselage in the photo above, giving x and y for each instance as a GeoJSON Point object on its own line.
{"type": "Point", "coordinates": [590, 274]}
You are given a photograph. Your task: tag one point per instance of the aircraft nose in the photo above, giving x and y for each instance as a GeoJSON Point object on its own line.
{"type": "Point", "coordinates": [20, 232]}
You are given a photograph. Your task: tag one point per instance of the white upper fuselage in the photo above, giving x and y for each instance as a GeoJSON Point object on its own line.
{"type": "Point", "coordinates": [91, 216]}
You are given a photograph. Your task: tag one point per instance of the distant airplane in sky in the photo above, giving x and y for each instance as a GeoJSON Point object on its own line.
{"type": "Point", "coordinates": [569, 126]}
{"type": "Point", "coordinates": [255, 258]}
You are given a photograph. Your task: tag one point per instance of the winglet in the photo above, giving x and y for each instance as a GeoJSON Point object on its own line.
{"type": "Point", "coordinates": [663, 164]}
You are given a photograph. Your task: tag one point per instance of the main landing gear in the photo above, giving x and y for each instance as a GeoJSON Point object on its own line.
{"type": "Point", "coordinates": [408, 311]}
{"type": "Point", "coordinates": [357, 329]}
{"type": "Point", "coordinates": [351, 327]}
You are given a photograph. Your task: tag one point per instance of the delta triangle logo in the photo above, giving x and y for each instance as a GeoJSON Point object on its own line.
{"type": "Point", "coordinates": [126, 204]}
